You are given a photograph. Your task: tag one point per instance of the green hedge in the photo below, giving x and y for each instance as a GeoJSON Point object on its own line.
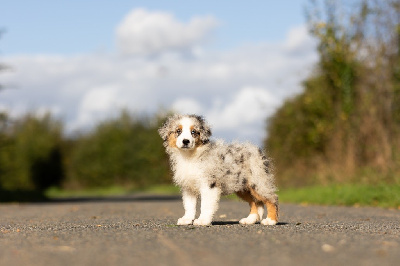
{"type": "Point", "coordinates": [125, 151]}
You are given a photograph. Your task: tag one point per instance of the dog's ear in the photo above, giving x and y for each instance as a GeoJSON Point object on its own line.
{"type": "Point", "coordinates": [205, 129]}
{"type": "Point", "coordinates": [166, 129]}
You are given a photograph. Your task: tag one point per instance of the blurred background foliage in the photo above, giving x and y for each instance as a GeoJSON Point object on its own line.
{"type": "Point", "coordinates": [124, 151]}
{"type": "Point", "coordinates": [31, 153]}
{"type": "Point", "coordinates": [343, 128]}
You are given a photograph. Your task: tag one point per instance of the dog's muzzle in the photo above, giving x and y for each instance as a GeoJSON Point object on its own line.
{"type": "Point", "coordinates": [185, 143]}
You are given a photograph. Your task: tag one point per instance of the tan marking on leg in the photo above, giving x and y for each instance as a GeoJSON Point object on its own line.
{"type": "Point", "coordinates": [246, 196]}
{"type": "Point", "coordinates": [272, 209]}
{"type": "Point", "coordinates": [254, 216]}
{"type": "Point", "coordinates": [272, 206]}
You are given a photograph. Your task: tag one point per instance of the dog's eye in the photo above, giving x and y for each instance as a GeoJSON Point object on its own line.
{"type": "Point", "coordinates": [194, 132]}
{"type": "Point", "coordinates": [178, 131]}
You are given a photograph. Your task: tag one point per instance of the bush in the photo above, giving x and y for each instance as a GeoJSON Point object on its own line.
{"type": "Point", "coordinates": [347, 119]}
{"type": "Point", "coordinates": [30, 156]}
{"type": "Point", "coordinates": [124, 151]}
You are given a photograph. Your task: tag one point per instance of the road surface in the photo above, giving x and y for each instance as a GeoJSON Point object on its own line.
{"type": "Point", "coordinates": [141, 230]}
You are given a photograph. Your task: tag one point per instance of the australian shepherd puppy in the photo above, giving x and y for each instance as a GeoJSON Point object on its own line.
{"type": "Point", "coordinates": [206, 169]}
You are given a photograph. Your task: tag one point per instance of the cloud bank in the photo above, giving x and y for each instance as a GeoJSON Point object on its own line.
{"type": "Point", "coordinates": [147, 33]}
{"type": "Point", "coordinates": [162, 63]}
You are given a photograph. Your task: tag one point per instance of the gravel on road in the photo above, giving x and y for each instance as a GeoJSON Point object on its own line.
{"type": "Point", "coordinates": [141, 230]}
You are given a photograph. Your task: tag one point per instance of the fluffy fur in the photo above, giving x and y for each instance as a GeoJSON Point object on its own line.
{"type": "Point", "coordinates": [208, 169]}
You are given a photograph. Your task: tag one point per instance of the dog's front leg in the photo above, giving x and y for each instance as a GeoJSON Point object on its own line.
{"type": "Point", "coordinates": [189, 204]}
{"type": "Point", "coordinates": [209, 205]}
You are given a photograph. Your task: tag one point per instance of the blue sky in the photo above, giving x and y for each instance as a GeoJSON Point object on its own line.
{"type": "Point", "coordinates": [234, 62]}
{"type": "Point", "coordinates": [74, 27]}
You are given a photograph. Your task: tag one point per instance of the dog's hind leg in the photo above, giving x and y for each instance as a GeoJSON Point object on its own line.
{"type": "Point", "coordinates": [272, 207]}
{"type": "Point", "coordinates": [254, 208]}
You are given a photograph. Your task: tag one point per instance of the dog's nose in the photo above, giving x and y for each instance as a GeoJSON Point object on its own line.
{"type": "Point", "coordinates": [185, 141]}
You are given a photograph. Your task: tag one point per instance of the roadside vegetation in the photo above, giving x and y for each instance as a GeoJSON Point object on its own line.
{"type": "Point", "coordinates": [37, 160]}
{"type": "Point", "coordinates": [383, 195]}
{"type": "Point", "coordinates": [345, 126]}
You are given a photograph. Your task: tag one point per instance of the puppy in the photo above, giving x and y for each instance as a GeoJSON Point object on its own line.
{"type": "Point", "coordinates": [208, 169]}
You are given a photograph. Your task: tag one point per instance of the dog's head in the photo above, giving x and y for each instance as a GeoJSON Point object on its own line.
{"type": "Point", "coordinates": [185, 132]}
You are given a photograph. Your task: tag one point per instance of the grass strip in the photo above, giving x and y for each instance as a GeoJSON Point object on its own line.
{"type": "Point", "coordinates": [383, 195]}
{"type": "Point", "coordinates": [55, 192]}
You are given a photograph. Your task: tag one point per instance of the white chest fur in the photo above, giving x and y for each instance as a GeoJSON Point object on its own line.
{"type": "Point", "coordinates": [189, 173]}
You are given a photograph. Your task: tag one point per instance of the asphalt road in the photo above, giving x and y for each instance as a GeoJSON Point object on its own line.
{"type": "Point", "coordinates": [141, 230]}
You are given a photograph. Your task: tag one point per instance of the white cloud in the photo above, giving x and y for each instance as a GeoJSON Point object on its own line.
{"type": "Point", "coordinates": [99, 100]}
{"type": "Point", "coordinates": [97, 104]}
{"type": "Point", "coordinates": [187, 106]}
{"type": "Point", "coordinates": [146, 33]}
{"type": "Point", "coordinates": [248, 106]}
{"type": "Point", "coordinates": [298, 40]}
{"type": "Point", "coordinates": [235, 89]}
{"type": "Point", "coordinates": [238, 116]}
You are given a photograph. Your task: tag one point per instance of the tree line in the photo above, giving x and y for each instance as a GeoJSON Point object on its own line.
{"type": "Point", "coordinates": [345, 126]}
{"type": "Point", "coordinates": [125, 151]}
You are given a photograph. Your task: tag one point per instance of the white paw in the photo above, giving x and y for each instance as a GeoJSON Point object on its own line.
{"type": "Point", "coordinates": [202, 221]}
{"type": "Point", "coordinates": [251, 219]}
{"type": "Point", "coordinates": [184, 221]}
{"type": "Point", "coordinates": [268, 221]}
